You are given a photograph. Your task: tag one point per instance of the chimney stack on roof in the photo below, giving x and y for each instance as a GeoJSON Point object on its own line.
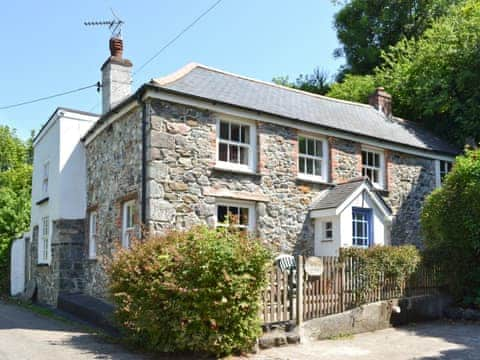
{"type": "Point", "coordinates": [382, 101]}
{"type": "Point", "coordinates": [116, 76]}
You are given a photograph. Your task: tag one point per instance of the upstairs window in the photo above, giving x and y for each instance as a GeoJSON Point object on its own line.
{"type": "Point", "coordinates": [128, 225]}
{"type": "Point", "coordinates": [312, 158]}
{"type": "Point", "coordinates": [241, 216]}
{"type": "Point", "coordinates": [44, 241]}
{"type": "Point", "coordinates": [235, 145]}
{"type": "Point", "coordinates": [373, 166]}
{"type": "Point", "coordinates": [92, 235]}
{"type": "Point", "coordinates": [46, 167]}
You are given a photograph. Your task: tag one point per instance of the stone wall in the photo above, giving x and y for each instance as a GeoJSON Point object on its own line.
{"type": "Point", "coordinates": [114, 163]}
{"type": "Point", "coordinates": [410, 179]}
{"type": "Point", "coordinates": [65, 273]}
{"type": "Point", "coordinates": [184, 183]}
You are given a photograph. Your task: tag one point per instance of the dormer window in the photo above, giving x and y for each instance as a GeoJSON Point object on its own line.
{"type": "Point", "coordinates": [373, 166]}
{"type": "Point", "coordinates": [235, 145]}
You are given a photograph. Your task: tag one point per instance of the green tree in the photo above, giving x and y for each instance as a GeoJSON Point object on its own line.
{"type": "Point", "coordinates": [317, 82]}
{"type": "Point", "coordinates": [450, 226]}
{"type": "Point", "coordinates": [434, 80]}
{"type": "Point", "coordinates": [365, 28]}
{"type": "Point", "coordinates": [354, 88]}
{"type": "Point", "coordinates": [15, 189]}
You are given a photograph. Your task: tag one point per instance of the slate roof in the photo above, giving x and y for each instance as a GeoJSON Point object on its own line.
{"type": "Point", "coordinates": [336, 196]}
{"type": "Point", "coordinates": [208, 83]}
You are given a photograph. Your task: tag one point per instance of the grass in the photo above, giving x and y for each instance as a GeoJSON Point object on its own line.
{"type": "Point", "coordinates": [341, 336]}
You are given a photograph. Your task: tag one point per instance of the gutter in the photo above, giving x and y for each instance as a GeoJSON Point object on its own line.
{"type": "Point", "coordinates": [146, 111]}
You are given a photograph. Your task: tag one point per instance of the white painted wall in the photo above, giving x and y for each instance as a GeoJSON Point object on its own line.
{"type": "Point", "coordinates": [59, 144]}
{"type": "Point", "coordinates": [324, 247]}
{"type": "Point", "coordinates": [342, 227]}
{"type": "Point", "coordinates": [17, 267]}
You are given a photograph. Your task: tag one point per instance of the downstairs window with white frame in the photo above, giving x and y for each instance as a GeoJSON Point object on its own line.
{"type": "Point", "coordinates": [128, 224]}
{"type": "Point", "coordinates": [239, 215]}
{"type": "Point", "coordinates": [44, 241]}
{"type": "Point", "coordinates": [92, 235]}
{"type": "Point", "coordinates": [442, 168]}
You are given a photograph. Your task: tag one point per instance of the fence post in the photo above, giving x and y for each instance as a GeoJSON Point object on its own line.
{"type": "Point", "coordinates": [299, 290]}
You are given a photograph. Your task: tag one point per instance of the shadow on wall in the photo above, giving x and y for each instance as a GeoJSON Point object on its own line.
{"type": "Point", "coordinates": [415, 180]}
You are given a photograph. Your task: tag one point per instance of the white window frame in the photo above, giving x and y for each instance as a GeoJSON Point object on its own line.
{"type": "Point", "coordinates": [240, 204]}
{"type": "Point", "coordinates": [438, 171]}
{"type": "Point", "coordinates": [326, 229]}
{"type": "Point", "coordinates": [252, 146]}
{"type": "Point", "coordinates": [92, 235]}
{"type": "Point", "coordinates": [324, 159]}
{"type": "Point", "coordinates": [44, 241]}
{"type": "Point", "coordinates": [381, 170]}
{"type": "Point", "coordinates": [127, 230]}
{"type": "Point", "coordinates": [45, 176]}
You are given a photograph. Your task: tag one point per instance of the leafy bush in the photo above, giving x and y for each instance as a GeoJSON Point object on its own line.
{"type": "Point", "coordinates": [191, 291]}
{"type": "Point", "coordinates": [450, 224]}
{"type": "Point", "coordinates": [395, 262]}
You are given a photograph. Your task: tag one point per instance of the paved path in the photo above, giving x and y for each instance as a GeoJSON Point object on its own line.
{"type": "Point", "coordinates": [437, 340]}
{"type": "Point", "coordinates": [27, 336]}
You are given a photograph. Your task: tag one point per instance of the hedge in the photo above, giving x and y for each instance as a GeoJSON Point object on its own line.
{"type": "Point", "coordinates": [195, 291]}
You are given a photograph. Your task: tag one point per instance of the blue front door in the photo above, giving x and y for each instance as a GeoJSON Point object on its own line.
{"type": "Point", "coordinates": [362, 229]}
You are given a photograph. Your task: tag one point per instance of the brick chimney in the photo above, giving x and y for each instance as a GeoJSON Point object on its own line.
{"type": "Point", "coordinates": [116, 76]}
{"type": "Point", "coordinates": [382, 101]}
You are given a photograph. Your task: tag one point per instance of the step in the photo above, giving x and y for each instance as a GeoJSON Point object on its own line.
{"type": "Point", "coordinates": [92, 310]}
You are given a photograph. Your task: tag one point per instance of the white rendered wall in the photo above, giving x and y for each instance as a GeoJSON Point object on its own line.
{"type": "Point", "coordinates": [324, 247]}
{"type": "Point", "coordinates": [17, 267]}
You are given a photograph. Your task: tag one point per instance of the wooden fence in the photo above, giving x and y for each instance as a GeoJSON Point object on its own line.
{"type": "Point", "coordinates": [340, 287]}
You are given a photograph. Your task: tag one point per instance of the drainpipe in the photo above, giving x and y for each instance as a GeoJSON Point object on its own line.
{"type": "Point", "coordinates": [146, 108]}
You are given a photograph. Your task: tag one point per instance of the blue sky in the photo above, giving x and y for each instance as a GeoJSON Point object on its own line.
{"type": "Point", "coordinates": [45, 48]}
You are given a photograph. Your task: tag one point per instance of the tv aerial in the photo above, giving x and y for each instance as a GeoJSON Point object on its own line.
{"type": "Point", "coordinates": [115, 25]}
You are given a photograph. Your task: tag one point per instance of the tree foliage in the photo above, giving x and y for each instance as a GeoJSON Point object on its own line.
{"type": "Point", "coordinates": [365, 28]}
{"type": "Point", "coordinates": [317, 82]}
{"type": "Point", "coordinates": [354, 88]}
{"type": "Point", "coordinates": [451, 228]}
{"type": "Point", "coordinates": [15, 189]}
{"type": "Point", "coordinates": [191, 291]}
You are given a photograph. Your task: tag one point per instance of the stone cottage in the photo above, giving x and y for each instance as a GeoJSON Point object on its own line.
{"type": "Point", "coordinates": [306, 173]}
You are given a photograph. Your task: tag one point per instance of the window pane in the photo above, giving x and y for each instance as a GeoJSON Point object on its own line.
{"type": "Point", "coordinates": [301, 165]}
{"type": "Point", "coordinates": [375, 176]}
{"type": "Point", "coordinates": [233, 215]}
{"type": "Point", "coordinates": [222, 214]}
{"type": "Point", "coordinates": [364, 172]}
{"type": "Point", "coordinates": [310, 147]}
{"type": "Point", "coordinates": [244, 216]}
{"type": "Point", "coordinates": [377, 160]}
{"type": "Point", "coordinates": [233, 153]}
{"type": "Point", "coordinates": [318, 148]}
{"type": "Point", "coordinates": [309, 166]}
{"type": "Point", "coordinates": [369, 158]}
{"type": "Point", "coordinates": [245, 138]}
{"type": "Point", "coordinates": [223, 152]}
{"type": "Point", "coordinates": [302, 147]}
{"type": "Point", "coordinates": [244, 155]}
{"type": "Point", "coordinates": [234, 132]}
{"type": "Point", "coordinates": [364, 158]}
{"type": "Point", "coordinates": [223, 130]}
{"type": "Point", "coordinates": [318, 167]}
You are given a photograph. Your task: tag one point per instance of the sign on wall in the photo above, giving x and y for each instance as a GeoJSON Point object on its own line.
{"type": "Point", "coordinates": [314, 266]}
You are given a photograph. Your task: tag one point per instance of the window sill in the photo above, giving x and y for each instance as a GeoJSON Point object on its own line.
{"type": "Point", "coordinates": [42, 201]}
{"type": "Point", "coordinates": [233, 170]}
{"type": "Point", "coordinates": [313, 180]}
{"type": "Point", "coordinates": [327, 240]}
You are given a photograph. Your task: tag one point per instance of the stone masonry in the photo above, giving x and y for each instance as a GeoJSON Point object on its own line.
{"type": "Point", "coordinates": [183, 184]}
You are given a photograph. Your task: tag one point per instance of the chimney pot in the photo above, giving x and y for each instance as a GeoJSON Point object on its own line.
{"type": "Point", "coordinates": [116, 47]}
{"type": "Point", "coordinates": [381, 100]}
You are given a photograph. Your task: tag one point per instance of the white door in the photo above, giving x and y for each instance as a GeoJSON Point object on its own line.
{"type": "Point", "coordinates": [17, 267]}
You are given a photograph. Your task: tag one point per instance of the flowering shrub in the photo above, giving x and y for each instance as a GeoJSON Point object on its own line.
{"type": "Point", "coordinates": [197, 291]}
